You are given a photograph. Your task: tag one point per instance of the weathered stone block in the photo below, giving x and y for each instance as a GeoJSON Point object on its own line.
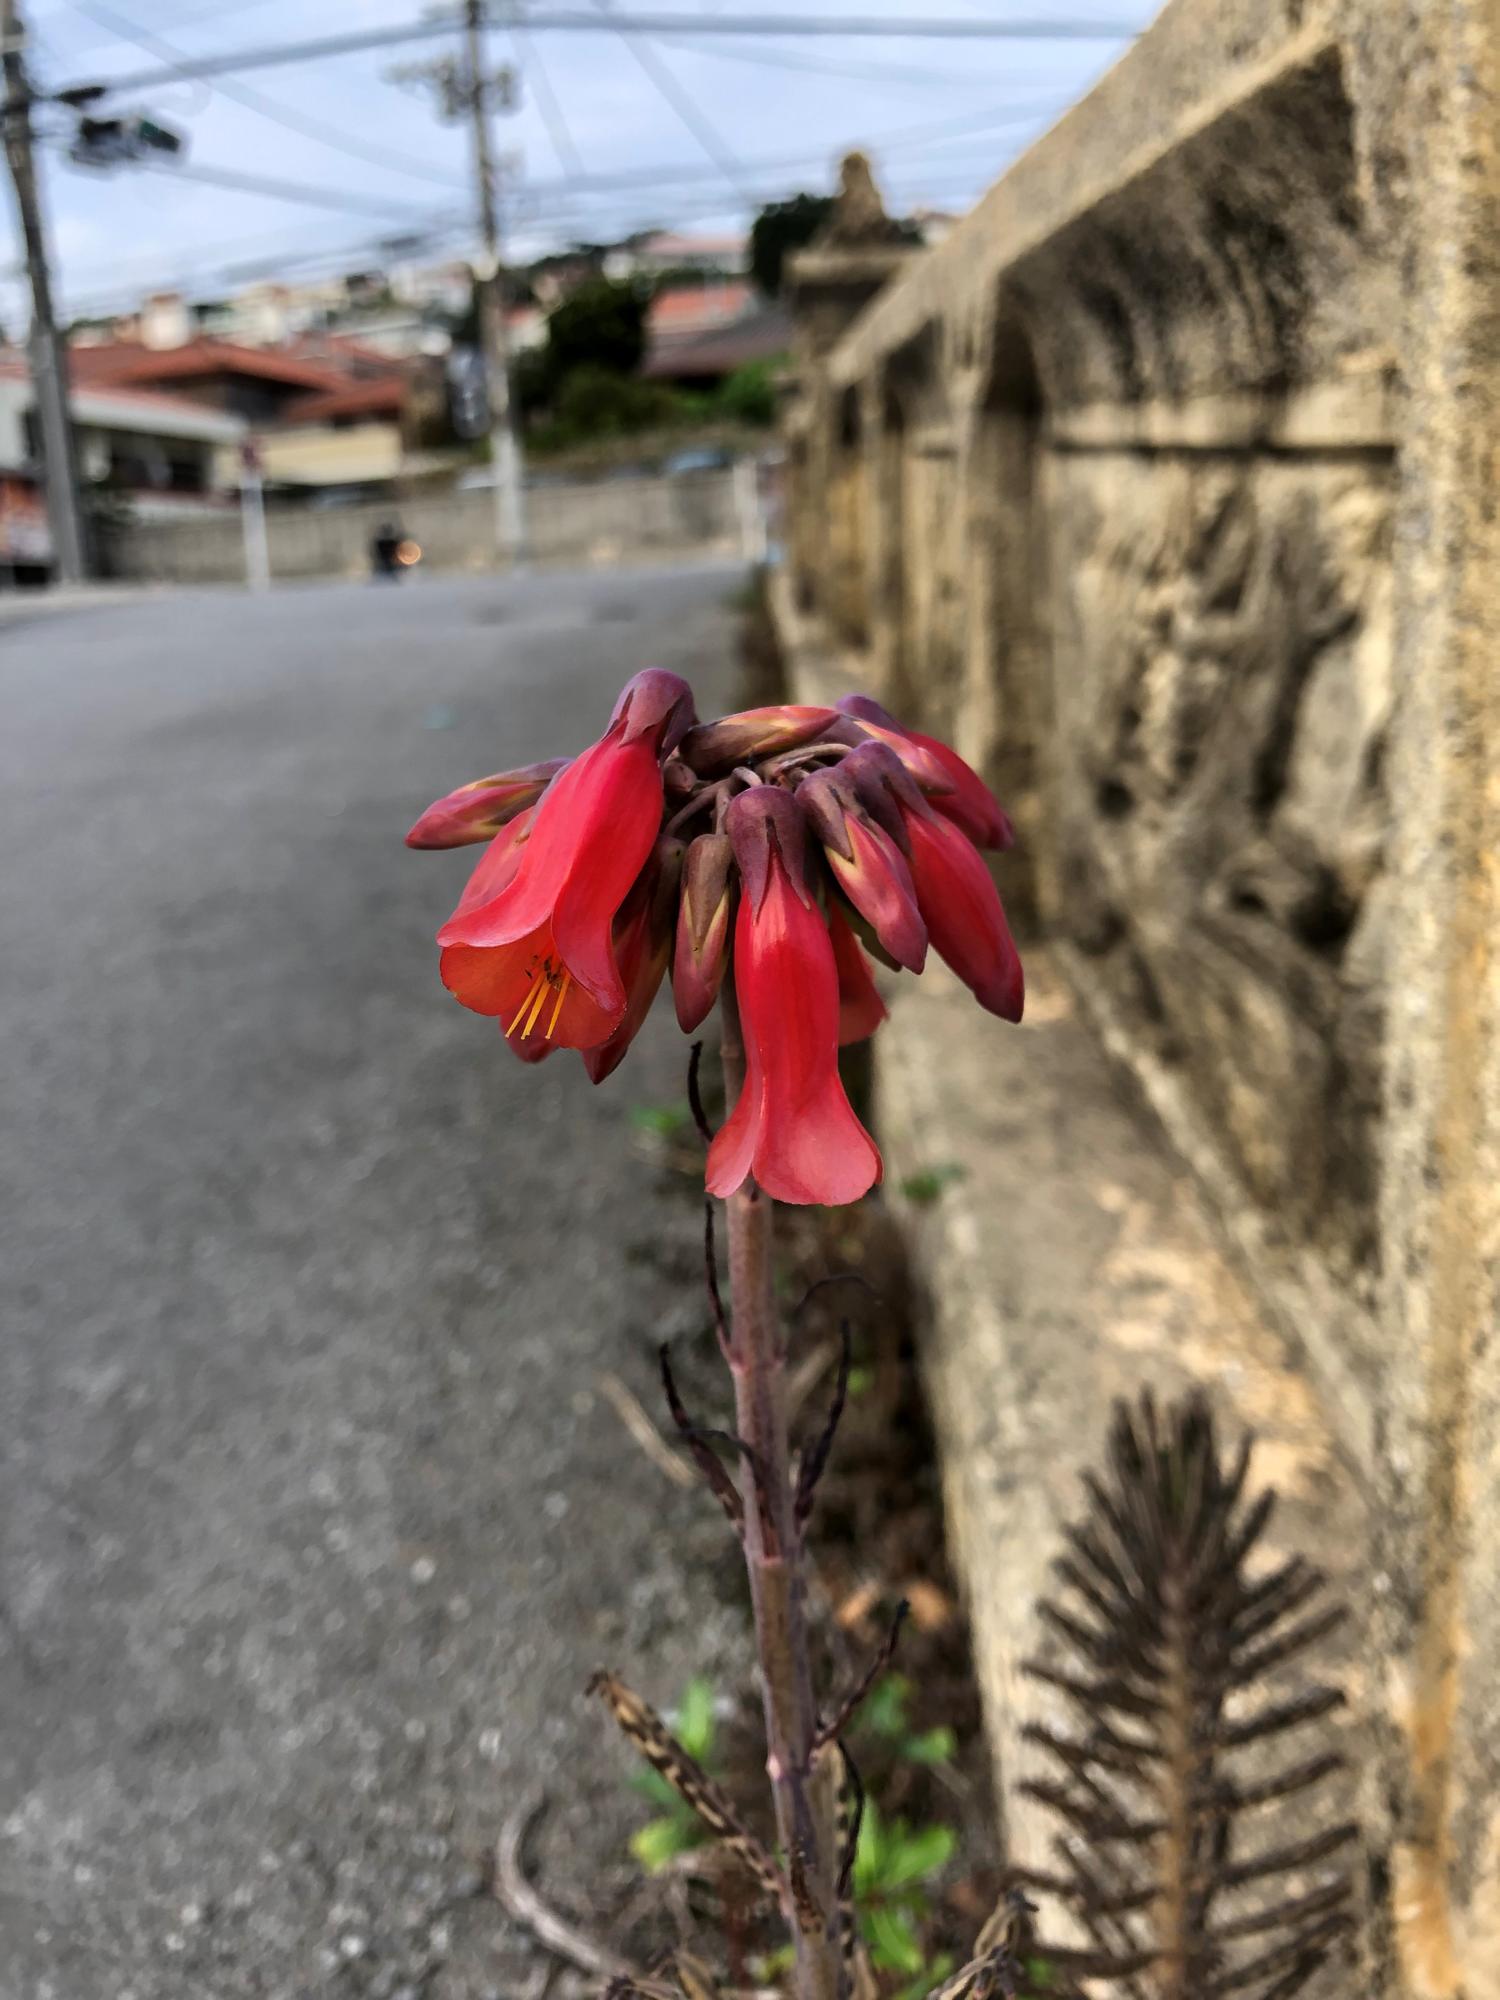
{"type": "Point", "coordinates": [1176, 468]}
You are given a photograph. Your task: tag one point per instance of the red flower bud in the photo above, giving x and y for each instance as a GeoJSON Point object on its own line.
{"type": "Point", "coordinates": [702, 951]}
{"type": "Point", "coordinates": [792, 1127]}
{"type": "Point", "coordinates": [754, 732]}
{"type": "Point", "coordinates": [643, 945]}
{"type": "Point", "coordinates": [956, 790]}
{"type": "Point", "coordinates": [865, 862]}
{"type": "Point", "coordinates": [655, 707]}
{"type": "Point", "coordinates": [955, 892]}
{"type": "Point", "coordinates": [478, 811]}
{"type": "Point", "coordinates": [965, 917]}
{"type": "Point", "coordinates": [861, 1009]}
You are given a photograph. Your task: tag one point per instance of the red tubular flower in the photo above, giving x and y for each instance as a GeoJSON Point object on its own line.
{"type": "Point", "coordinates": [754, 732]}
{"type": "Point", "coordinates": [793, 1127]}
{"type": "Point", "coordinates": [643, 944]}
{"type": "Point", "coordinates": [538, 953]}
{"type": "Point", "coordinates": [861, 1009]}
{"type": "Point", "coordinates": [865, 862]}
{"type": "Point", "coordinates": [955, 892]}
{"type": "Point", "coordinates": [702, 951]}
{"type": "Point", "coordinates": [951, 785]}
{"type": "Point", "coordinates": [478, 811]}
{"type": "Point", "coordinates": [498, 864]}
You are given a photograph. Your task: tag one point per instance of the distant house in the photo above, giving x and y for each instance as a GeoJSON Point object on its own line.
{"type": "Point", "coordinates": [660, 251]}
{"type": "Point", "coordinates": [696, 335]}
{"type": "Point", "coordinates": [160, 455]}
{"type": "Point", "coordinates": [326, 409]}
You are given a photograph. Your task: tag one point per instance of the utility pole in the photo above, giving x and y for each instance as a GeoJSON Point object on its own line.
{"type": "Point", "coordinates": [49, 349]}
{"type": "Point", "coordinates": [505, 454]}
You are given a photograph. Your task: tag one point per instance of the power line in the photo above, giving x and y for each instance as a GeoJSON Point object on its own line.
{"type": "Point", "coordinates": [266, 107]}
{"type": "Point", "coordinates": [680, 100]}
{"type": "Point", "coordinates": [199, 15]}
{"type": "Point", "coordinates": [861, 72]}
{"type": "Point", "coordinates": [278, 190]}
{"type": "Point", "coordinates": [568, 156]}
{"type": "Point", "coordinates": [900, 138]}
{"type": "Point", "coordinates": [560, 20]}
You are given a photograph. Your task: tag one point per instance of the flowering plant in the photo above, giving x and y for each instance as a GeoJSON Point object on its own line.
{"type": "Point", "coordinates": [757, 859]}
{"type": "Point", "coordinates": [761, 860]}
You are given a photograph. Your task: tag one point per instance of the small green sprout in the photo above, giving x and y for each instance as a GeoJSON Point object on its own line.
{"type": "Point", "coordinates": [925, 1186]}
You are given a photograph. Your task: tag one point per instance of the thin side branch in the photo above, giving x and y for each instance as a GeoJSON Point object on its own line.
{"type": "Point", "coordinates": [814, 1463]}
{"type": "Point", "coordinates": [695, 1095]}
{"type": "Point", "coordinates": [705, 1457]}
{"type": "Point", "coordinates": [838, 1722]}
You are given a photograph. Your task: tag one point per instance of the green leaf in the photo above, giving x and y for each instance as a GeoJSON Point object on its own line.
{"type": "Point", "coordinates": [892, 1940]}
{"type": "Point", "coordinates": [932, 1975]}
{"type": "Point", "coordinates": [665, 1121]}
{"type": "Point", "coordinates": [884, 1710]}
{"type": "Point", "coordinates": [913, 1855]}
{"type": "Point", "coordinates": [861, 1379]}
{"type": "Point", "coordinates": [867, 1855]}
{"type": "Point", "coordinates": [653, 1786]}
{"type": "Point", "coordinates": [773, 1964]}
{"type": "Point", "coordinates": [933, 1746]}
{"type": "Point", "coordinates": [924, 1186]}
{"type": "Point", "coordinates": [694, 1720]}
{"type": "Point", "coordinates": [660, 1841]}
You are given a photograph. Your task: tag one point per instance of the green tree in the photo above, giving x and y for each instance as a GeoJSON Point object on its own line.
{"type": "Point", "coordinates": [748, 396]}
{"type": "Point", "coordinates": [780, 228]}
{"type": "Point", "coordinates": [600, 325]}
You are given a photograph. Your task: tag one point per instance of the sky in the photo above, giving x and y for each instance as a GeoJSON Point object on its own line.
{"type": "Point", "coordinates": [610, 133]}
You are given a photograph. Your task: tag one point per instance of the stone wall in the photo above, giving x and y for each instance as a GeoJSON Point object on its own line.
{"type": "Point", "coordinates": [1165, 486]}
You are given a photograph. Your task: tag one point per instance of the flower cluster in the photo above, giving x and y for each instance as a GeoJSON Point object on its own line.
{"type": "Point", "coordinates": [779, 846]}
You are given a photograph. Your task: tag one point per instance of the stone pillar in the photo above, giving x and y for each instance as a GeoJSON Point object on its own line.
{"type": "Point", "coordinates": [1437, 1471]}
{"type": "Point", "coordinates": [827, 286]}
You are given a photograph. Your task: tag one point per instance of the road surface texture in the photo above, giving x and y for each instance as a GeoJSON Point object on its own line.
{"type": "Point", "coordinates": [313, 1519]}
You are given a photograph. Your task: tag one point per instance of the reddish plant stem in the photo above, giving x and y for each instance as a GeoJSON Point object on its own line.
{"type": "Point", "coordinates": [773, 1561]}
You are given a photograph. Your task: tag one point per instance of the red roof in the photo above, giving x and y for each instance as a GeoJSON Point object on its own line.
{"type": "Point", "coordinates": [386, 397]}
{"type": "Point", "coordinates": [16, 367]}
{"type": "Point", "coordinates": [689, 308]}
{"type": "Point", "coordinates": [122, 361]}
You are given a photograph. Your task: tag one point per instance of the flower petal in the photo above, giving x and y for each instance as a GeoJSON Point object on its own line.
{"type": "Point", "coordinates": [861, 1009]}
{"type": "Point", "coordinates": [793, 1126]}
{"type": "Point", "coordinates": [964, 915]}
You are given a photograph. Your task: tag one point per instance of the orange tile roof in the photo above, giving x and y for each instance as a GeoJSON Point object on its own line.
{"type": "Point", "coordinates": [119, 362]}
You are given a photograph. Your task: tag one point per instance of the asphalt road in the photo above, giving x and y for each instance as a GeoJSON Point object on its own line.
{"type": "Point", "coordinates": [312, 1518]}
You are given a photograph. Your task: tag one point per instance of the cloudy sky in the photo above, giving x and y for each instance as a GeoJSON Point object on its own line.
{"type": "Point", "coordinates": [610, 133]}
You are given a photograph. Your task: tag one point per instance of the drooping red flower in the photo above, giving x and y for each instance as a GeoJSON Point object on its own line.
{"type": "Point", "coordinates": [955, 891]}
{"type": "Point", "coordinates": [866, 863]}
{"type": "Point", "coordinates": [644, 931]}
{"type": "Point", "coordinates": [793, 1127]}
{"type": "Point", "coordinates": [861, 1009]}
{"type": "Point", "coordinates": [787, 843]}
{"type": "Point", "coordinates": [952, 786]}
{"type": "Point", "coordinates": [478, 811]}
{"type": "Point", "coordinates": [539, 954]}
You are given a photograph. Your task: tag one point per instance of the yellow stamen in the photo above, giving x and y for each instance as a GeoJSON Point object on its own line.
{"type": "Point", "coordinates": [543, 988]}
{"type": "Point", "coordinates": [527, 1002]}
{"type": "Point", "coordinates": [562, 994]}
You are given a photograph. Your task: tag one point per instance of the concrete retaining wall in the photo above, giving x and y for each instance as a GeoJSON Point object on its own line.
{"type": "Point", "coordinates": [1165, 485]}
{"type": "Point", "coordinates": [611, 521]}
